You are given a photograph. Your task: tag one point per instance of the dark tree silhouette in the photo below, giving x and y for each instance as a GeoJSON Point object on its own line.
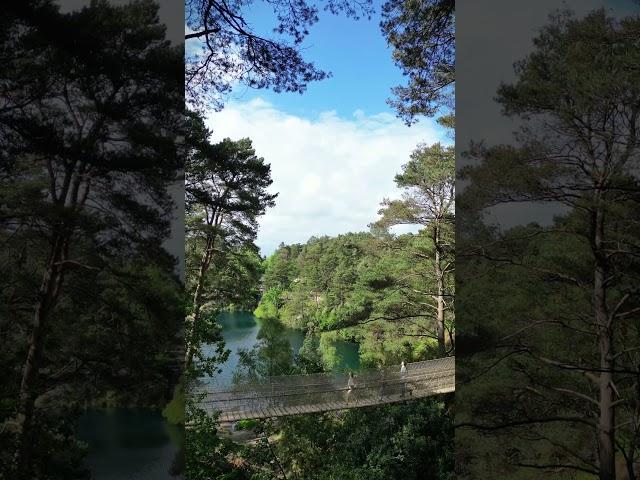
{"type": "Point", "coordinates": [90, 114]}
{"type": "Point", "coordinates": [569, 334]}
{"type": "Point", "coordinates": [422, 35]}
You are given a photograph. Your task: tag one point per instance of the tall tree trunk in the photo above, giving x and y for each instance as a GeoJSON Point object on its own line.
{"type": "Point", "coordinates": [606, 420]}
{"type": "Point", "coordinates": [47, 298]}
{"type": "Point", "coordinates": [197, 300]}
{"type": "Point", "coordinates": [442, 348]}
{"type": "Point", "coordinates": [205, 263]}
{"type": "Point", "coordinates": [65, 194]}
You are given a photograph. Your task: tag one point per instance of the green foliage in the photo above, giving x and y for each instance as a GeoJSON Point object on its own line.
{"type": "Point", "coordinates": [310, 358]}
{"type": "Point", "coordinates": [383, 289]}
{"type": "Point", "coordinates": [354, 284]}
{"type": "Point", "coordinates": [225, 192]}
{"type": "Point", "coordinates": [280, 269]}
{"type": "Point", "coordinates": [428, 200]}
{"type": "Point", "coordinates": [490, 399]}
{"type": "Point", "coordinates": [269, 303]}
{"type": "Point", "coordinates": [247, 424]}
{"type": "Point", "coordinates": [207, 454]}
{"type": "Point", "coordinates": [174, 411]}
{"type": "Point", "coordinates": [328, 351]}
{"type": "Point", "coordinates": [422, 35]}
{"type": "Point", "coordinates": [270, 356]}
{"type": "Point", "coordinates": [412, 440]}
{"type": "Point", "coordinates": [429, 182]}
{"type": "Point", "coordinates": [405, 441]}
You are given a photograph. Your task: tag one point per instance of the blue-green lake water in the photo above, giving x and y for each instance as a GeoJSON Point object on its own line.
{"type": "Point", "coordinates": [129, 444]}
{"type": "Point", "coordinates": [240, 331]}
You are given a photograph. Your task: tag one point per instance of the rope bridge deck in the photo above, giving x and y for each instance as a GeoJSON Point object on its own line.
{"type": "Point", "coordinates": [321, 392]}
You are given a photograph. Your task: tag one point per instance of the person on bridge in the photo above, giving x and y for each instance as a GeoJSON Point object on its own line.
{"type": "Point", "coordinates": [403, 374]}
{"type": "Point", "coordinates": [351, 384]}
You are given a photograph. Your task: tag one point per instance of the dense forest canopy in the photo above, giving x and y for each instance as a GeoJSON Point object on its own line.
{"type": "Point", "coordinates": [352, 286]}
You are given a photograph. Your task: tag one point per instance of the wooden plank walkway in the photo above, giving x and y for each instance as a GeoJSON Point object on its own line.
{"type": "Point", "coordinates": [301, 394]}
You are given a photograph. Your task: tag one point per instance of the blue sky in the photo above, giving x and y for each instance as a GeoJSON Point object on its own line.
{"type": "Point", "coordinates": [354, 51]}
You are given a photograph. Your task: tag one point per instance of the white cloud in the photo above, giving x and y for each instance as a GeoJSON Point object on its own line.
{"type": "Point", "coordinates": [331, 173]}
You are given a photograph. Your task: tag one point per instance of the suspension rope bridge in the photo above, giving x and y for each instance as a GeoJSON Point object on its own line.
{"type": "Point", "coordinates": [321, 392]}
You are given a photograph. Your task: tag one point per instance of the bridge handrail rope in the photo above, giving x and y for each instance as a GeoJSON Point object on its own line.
{"type": "Point", "coordinates": [332, 381]}
{"type": "Point", "coordinates": [387, 383]}
{"type": "Point", "coordinates": [447, 363]}
{"type": "Point", "coordinates": [362, 383]}
{"type": "Point", "coordinates": [304, 392]}
{"type": "Point", "coordinates": [254, 387]}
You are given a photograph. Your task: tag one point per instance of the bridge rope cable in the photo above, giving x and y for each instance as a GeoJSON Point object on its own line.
{"type": "Point", "coordinates": [284, 393]}
{"type": "Point", "coordinates": [395, 378]}
{"type": "Point", "coordinates": [389, 383]}
{"type": "Point", "coordinates": [433, 366]}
